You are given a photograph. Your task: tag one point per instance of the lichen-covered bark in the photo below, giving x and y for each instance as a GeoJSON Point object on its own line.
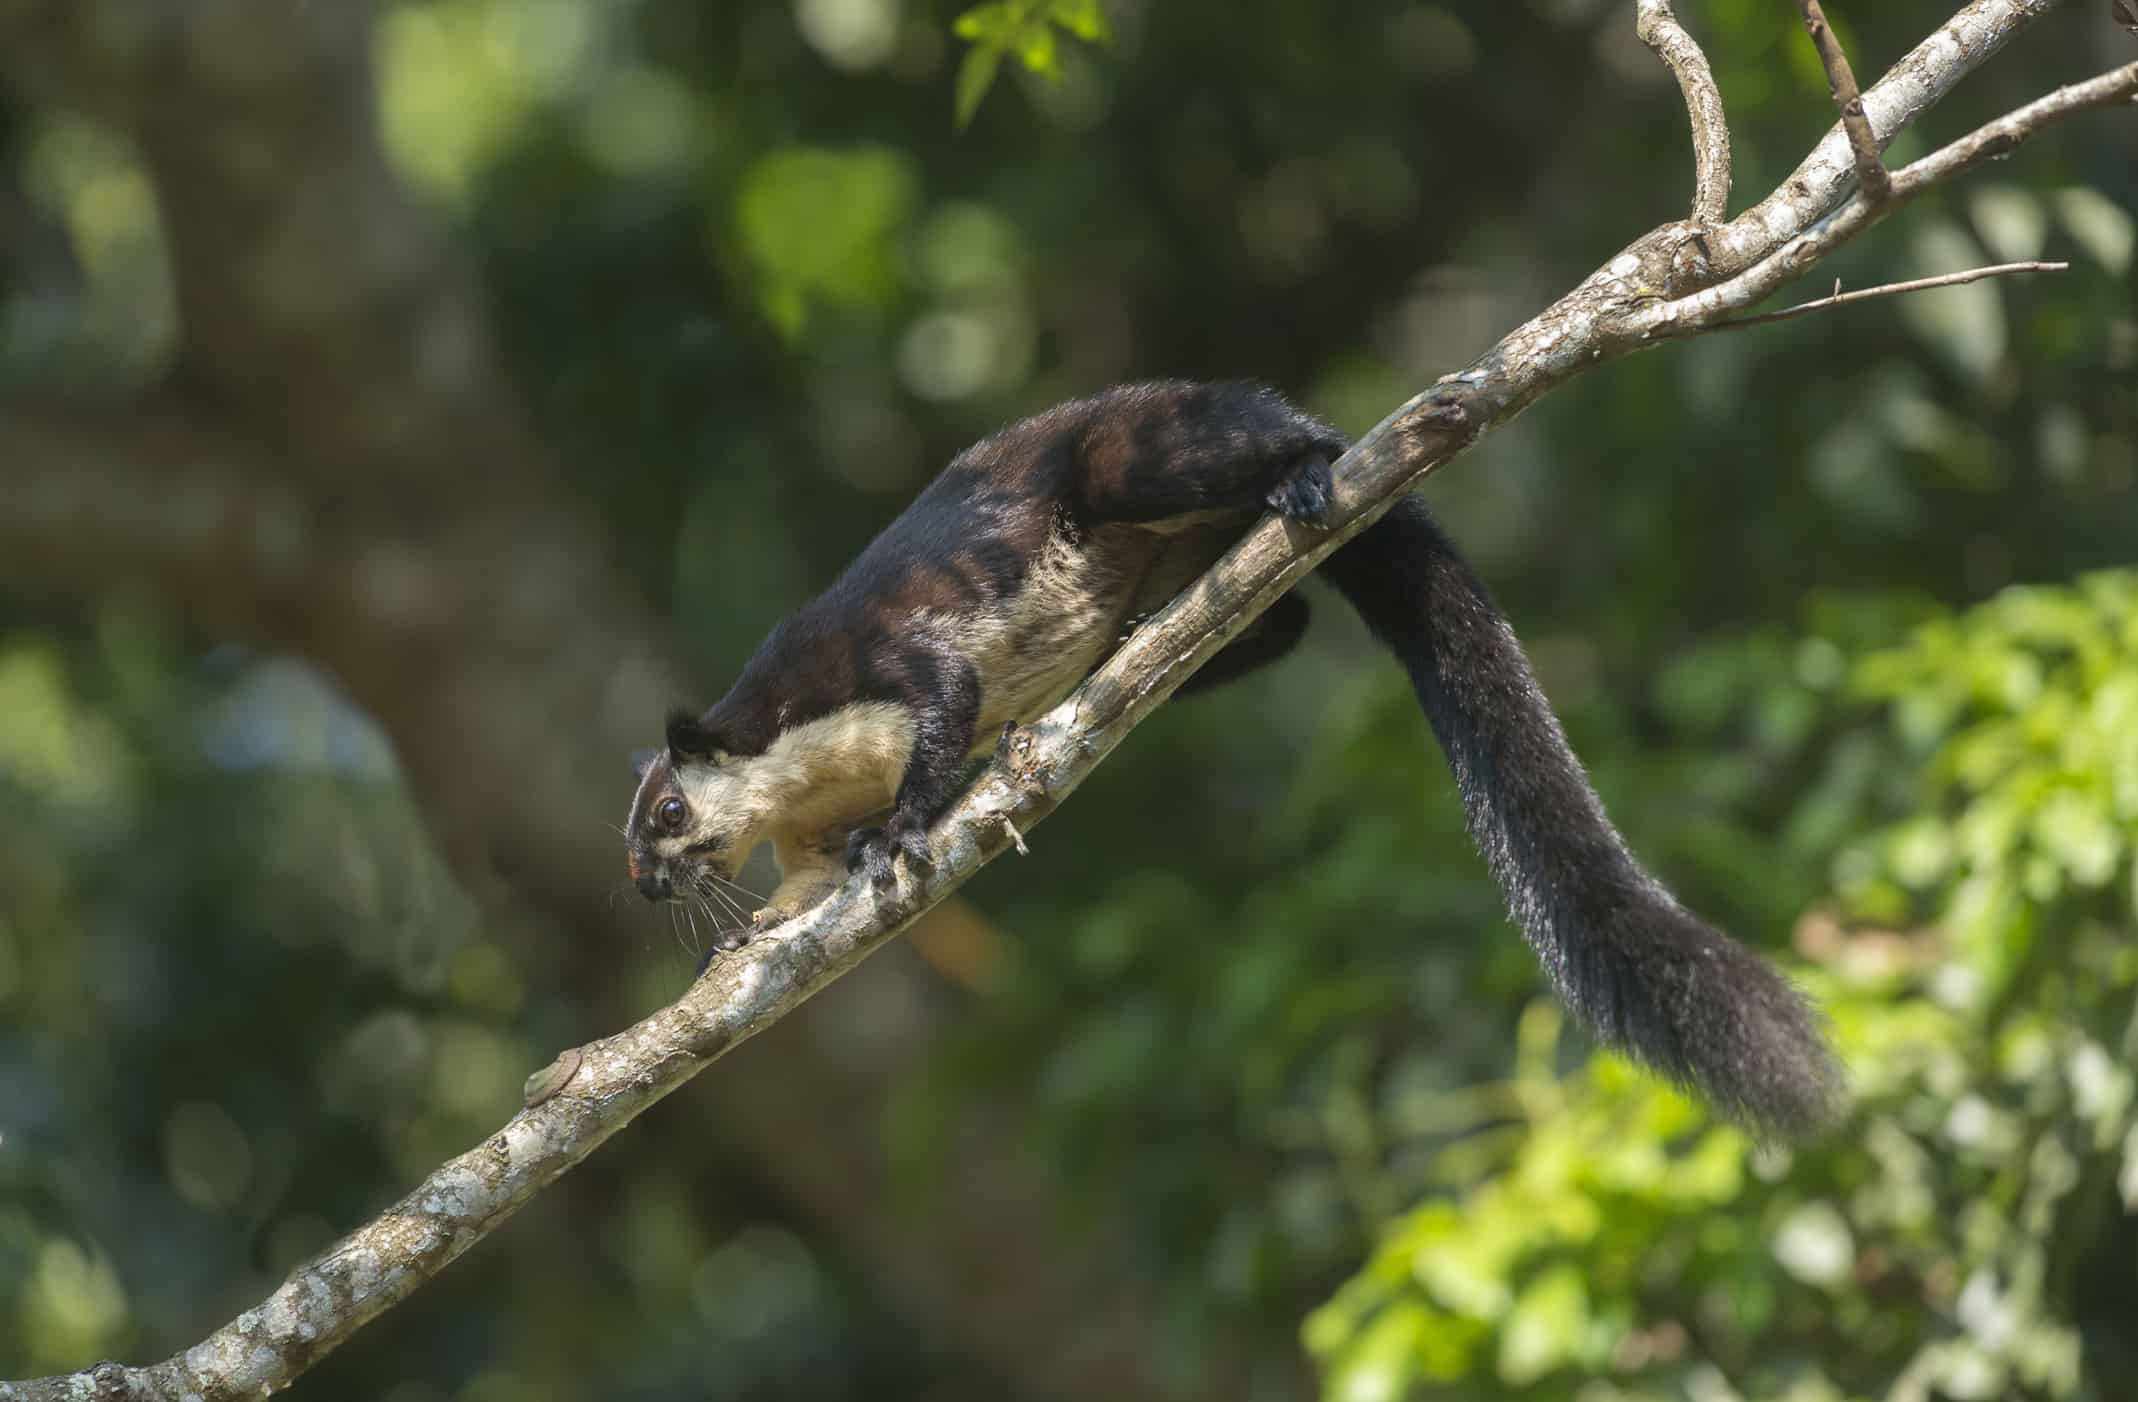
{"type": "Point", "coordinates": [1824, 230]}
{"type": "Point", "coordinates": [1658, 28]}
{"type": "Point", "coordinates": [1909, 88]}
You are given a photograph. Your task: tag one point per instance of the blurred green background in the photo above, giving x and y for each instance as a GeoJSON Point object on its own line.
{"type": "Point", "coordinates": [400, 406]}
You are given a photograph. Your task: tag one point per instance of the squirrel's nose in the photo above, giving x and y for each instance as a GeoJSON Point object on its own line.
{"type": "Point", "coordinates": [654, 884]}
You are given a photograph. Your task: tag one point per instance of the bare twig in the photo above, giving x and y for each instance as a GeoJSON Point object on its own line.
{"type": "Point", "coordinates": [1659, 29]}
{"type": "Point", "coordinates": [1792, 257]}
{"type": "Point", "coordinates": [1890, 289]}
{"type": "Point", "coordinates": [1614, 312]}
{"type": "Point", "coordinates": [1994, 140]}
{"type": "Point", "coordinates": [1841, 82]}
{"type": "Point", "coordinates": [1910, 87]}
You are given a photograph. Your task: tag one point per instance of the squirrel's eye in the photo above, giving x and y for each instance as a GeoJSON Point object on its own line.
{"type": "Point", "coordinates": [670, 813]}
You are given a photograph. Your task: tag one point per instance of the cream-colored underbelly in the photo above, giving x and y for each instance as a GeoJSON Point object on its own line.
{"type": "Point", "coordinates": [1076, 604]}
{"type": "Point", "coordinates": [1034, 649]}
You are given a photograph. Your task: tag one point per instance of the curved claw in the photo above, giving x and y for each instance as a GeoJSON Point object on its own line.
{"type": "Point", "coordinates": [867, 849]}
{"type": "Point", "coordinates": [1305, 492]}
{"type": "Point", "coordinates": [874, 850]}
{"type": "Point", "coordinates": [910, 836]}
{"type": "Point", "coordinates": [727, 942]}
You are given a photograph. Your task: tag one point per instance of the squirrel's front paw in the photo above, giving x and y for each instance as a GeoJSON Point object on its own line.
{"type": "Point", "coordinates": [874, 849]}
{"type": "Point", "coordinates": [1305, 492]}
{"type": "Point", "coordinates": [726, 942]}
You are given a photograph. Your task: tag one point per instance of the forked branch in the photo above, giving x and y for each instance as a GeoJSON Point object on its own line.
{"type": "Point", "coordinates": [1792, 257]}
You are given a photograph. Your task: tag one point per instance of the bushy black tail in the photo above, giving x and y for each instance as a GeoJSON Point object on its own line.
{"type": "Point", "coordinates": [1648, 977]}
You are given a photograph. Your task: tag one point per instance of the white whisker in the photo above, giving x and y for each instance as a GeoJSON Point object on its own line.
{"type": "Point", "coordinates": [727, 903]}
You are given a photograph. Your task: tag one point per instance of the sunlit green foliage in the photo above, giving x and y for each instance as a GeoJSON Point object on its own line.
{"type": "Point", "coordinates": [821, 225]}
{"type": "Point", "coordinates": [1024, 29]}
{"type": "Point", "coordinates": [1966, 1233]}
{"type": "Point", "coordinates": [459, 79]}
{"type": "Point", "coordinates": [90, 184]}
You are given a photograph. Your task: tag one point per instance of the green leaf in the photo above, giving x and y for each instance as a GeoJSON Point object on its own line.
{"type": "Point", "coordinates": [975, 76]}
{"type": "Point", "coordinates": [2100, 226]}
{"type": "Point", "coordinates": [1086, 19]}
{"type": "Point", "coordinates": [821, 225]}
{"type": "Point", "coordinates": [1813, 1243]}
{"type": "Point", "coordinates": [1545, 1329]}
{"type": "Point", "coordinates": [1379, 1365]}
{"type": "Point", "coordinates": [986, 24]}
{"type": "Point", "coordinates": [1036, 50]}
{"type": "Point", "coordinates": [1024, 28]}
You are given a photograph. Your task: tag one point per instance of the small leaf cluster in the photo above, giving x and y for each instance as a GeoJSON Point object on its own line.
{"type": "Point", "coordinates": [1025, 30]}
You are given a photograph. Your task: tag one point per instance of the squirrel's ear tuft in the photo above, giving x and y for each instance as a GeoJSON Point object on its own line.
{"type": "Point", "coordinates": [642, 760]}
{"type": "Point", "coordinates": [687, 737]}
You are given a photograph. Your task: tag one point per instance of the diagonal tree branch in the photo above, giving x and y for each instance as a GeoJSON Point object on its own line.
{"type": "Point", "coordinates": [339, 468]}
{"type": "Point", "coordinates": [162, 500]}
{"type": "Point", "coordinates": [592, 1092]}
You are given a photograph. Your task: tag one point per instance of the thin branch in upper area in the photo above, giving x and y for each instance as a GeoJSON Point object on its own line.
{"type": "Point", "coordinates": [1659, 29]}
{"type": "Point", "coordinates": [1992, 140]}
{"type": "Point", "coordinates": [1841, 80]}
{"type": "Point", "coordinates": [1704, 310]}
{"type": "Point", "coordinates": [1824, 178]}
{"type": "Point", "coordinates": [1890, 289]}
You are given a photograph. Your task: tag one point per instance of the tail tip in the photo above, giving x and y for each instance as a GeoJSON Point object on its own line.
{"type": "Point", "coordinates": [1716, 1018]}
{"type": "Point", "coordinates": [1762, 1056]}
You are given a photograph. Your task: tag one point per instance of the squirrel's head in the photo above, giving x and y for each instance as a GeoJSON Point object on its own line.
{"type": "Point", "coordinates": [696, 810]}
